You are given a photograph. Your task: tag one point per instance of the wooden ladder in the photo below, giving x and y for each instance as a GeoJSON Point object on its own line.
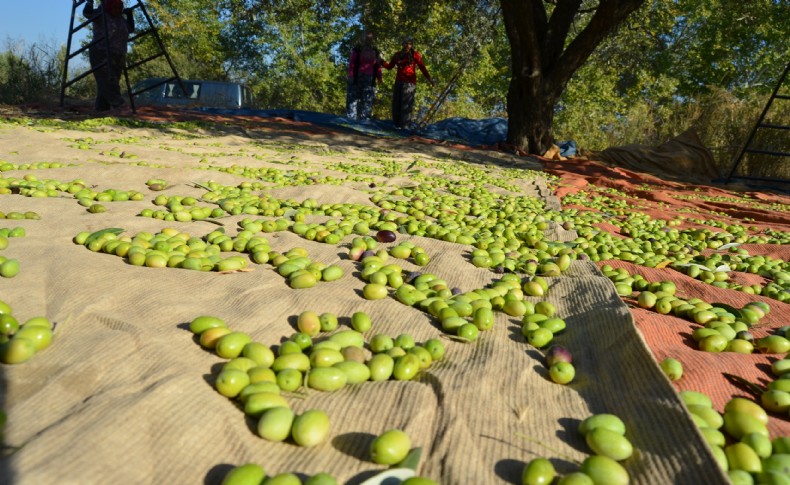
{"type": "Point", "coordinates": [149, 30]}
{"type": "Point", "coordinates": [760, 125]}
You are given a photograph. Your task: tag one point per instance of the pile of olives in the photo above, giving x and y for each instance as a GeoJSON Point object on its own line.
{"type": "Point", "coordinates": [254, 474]}
{"type": "Point", "coordinates": [605, 435]}
{"type": "Point", "coordinates": [19, 342]}
{"type": "Point", "coordinates": [255, 376]}
{"type": "Point", "coordinates": [181, 209]}
{"type": "Point", "coordinates": [9, 267]}
{"type": "Point", "coordinates": [724, 328]}
{"type": "Point", "coordinates": [19, 215]}
{"type": "Point", "coordinates": [739, 439]}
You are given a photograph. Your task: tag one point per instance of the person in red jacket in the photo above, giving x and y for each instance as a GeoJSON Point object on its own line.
{"type": "Point", "coordinates": [406, 60]}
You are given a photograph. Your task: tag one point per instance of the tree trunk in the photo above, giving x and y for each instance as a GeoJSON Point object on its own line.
{"type": "Point", "coordinates": [543, 60]}
{"type": "Point", "coordinates": [530, 115]}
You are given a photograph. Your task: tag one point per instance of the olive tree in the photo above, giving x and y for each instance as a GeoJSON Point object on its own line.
{"type": "Point", "coordinates": [549, 41]}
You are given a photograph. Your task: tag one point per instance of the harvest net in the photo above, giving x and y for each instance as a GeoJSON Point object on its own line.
{"type": "Point", "coordinates": [125, 393]}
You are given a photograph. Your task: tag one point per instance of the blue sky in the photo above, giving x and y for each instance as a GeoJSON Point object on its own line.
{"type": "Point", "coordinates": [44, 21]}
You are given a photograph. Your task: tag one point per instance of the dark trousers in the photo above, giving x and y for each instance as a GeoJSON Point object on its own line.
{"type": "Point", "coordinates": [402, 103]}
{"type": "Point", "coordinates": [360, 97]}
{"type": "Point", "coordinates": [108, 79]}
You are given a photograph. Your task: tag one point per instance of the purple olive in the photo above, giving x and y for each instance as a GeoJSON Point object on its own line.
{"type": "Point", "coordinates": [412, 276]}
{"type": "Point", "coordinates": [558, 353]}
{"type": "Point", "coordinates": [386, 236]}
{"type": "Point", "coordinates": [372, 185]}
{"type": "Point", "coordinates": [367, 253]}
{"type": "Point", "coordinates": [456, 291]}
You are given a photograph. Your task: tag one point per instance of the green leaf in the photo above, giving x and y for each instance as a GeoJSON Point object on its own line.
{"type": "Point", "coordinates": [412, 460]}
{"type": "Point", "coordinates": [96, 235]}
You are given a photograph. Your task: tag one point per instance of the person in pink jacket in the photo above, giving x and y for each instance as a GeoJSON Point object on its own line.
{"type": "Point", "coordinates": [364, 71]}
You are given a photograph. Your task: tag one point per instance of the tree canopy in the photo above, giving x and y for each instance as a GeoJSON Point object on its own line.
{"type": "Point", "coordinates": [666, 64]}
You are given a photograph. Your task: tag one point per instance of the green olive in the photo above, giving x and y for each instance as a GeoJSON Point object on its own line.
{"type": "Point", "coordinates": [285, 478]}
{"type": "Point", "coordinates": [297, 361]}
{"type": "Point", "coordinates": [309, 322]}
{"type": "Point", "coordinates": [302, 281]}
{"type": "Point", "coordinates": [348, 338]}
{"type": "Point", "coordinates": [381, 367]}
{"type": "Point", "coordinates": [230, 382]}
{"type": "Point", "coordinates": [360, 321]}
{"type": "Point", "coordinates": [230, 346]}
{"type": "Point", "coordinates": [760, 443]}
{"type": "Point", "coordinates": [9, 268]}
{"type": "Point", "coordinates": [390, 447]}
{"type": "Point", "coordinates": [741, 456]}
{"type": "Point", "coordinates": [247, 474]}
{"type": "Point", "coordinates": [738, 424]}
{"type": "Point", "coordinates": [538, 471]}
{"type": "Point", "coordinates": [604, 471]}
{"type": "Point", "coordinates": [382, 343]}
{"type": "Point", "coordinates": [203, 323]}
{"type": "Point", "coordinates": [258, 352]}
{"type": "Point", "coordinates": [743, 405]}
{"type": "Point", "coordinates": [575, 478]}
{"type": "Point", "coordinates": [310, 428]}
{"type": "Point", "coordinates": [374, 291]}
{"type": "Point", "coordinates": [356, 372]}
{"type": "Point", "coordinates": [436, 348]}
{"type": "Point", "coordinates": [406, 367]}
{"type": "Point", "coordinates": [326, 379]}
{"type": "Point", "coordinates": [604, 420]}
{"type": "Point", "coordinates": [609, 443]}
{"type": "Point", "coordinates": [256, 404]}
{"type": "Point", "coordinates": [17, 351]}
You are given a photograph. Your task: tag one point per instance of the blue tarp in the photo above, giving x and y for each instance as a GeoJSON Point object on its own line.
{"type": "Point", "coordinates": [489, 131]}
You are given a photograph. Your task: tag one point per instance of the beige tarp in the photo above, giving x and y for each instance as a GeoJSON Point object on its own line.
{"type": "Point", "coordinates": [683, 156]}
{"type": "Point", "coordinates": [124, 395]}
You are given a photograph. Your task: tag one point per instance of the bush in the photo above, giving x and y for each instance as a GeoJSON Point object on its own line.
{"type": "Point", "coordinates": [32, 74]}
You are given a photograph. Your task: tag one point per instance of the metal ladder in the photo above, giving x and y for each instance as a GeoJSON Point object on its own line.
{"type": "Point", "coordinates": [150, 30]}
{"type": "Point", "coordinates": [760, 125]}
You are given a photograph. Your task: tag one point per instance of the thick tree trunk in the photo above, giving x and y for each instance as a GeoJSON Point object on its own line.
{"type": "Point", "coordinates": [530, 115]}
{"type": "Point", "coordinates": [543, 60]}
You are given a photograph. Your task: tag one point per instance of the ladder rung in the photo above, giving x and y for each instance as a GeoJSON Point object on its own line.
{"type": "Point", "coordinates": [782, 96]}
{"type": "Point", "coordinates": [156, 85]}
{"type": "Point", "coordinates": [80, 26]}
{"type": "Point", "coordinates": [79, 51]}
{"type": "Point", "coordinates": [768, 152]}
{"type": "Point", "coordinates": [84, 74]}
{"type": "Point", "coordinates": [776, 127]}
{"type": "Point", "coordinates": [140, 34]}
{"type": "Point", "coordinates": [131, 66]}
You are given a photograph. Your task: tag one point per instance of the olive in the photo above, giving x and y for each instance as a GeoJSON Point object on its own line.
{"type": "Point", "coordinates": [390, 447]}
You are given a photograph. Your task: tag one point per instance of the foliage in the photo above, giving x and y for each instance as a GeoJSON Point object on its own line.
{"type": "Point", "coordinates": [708, 64]}
{"type": "Point", "coordinates": [677, 65]}
{"type": "Point", "coordinates": [33, 73]}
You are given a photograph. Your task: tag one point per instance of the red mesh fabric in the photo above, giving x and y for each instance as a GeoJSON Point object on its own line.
{"type": "Point", "coordinates": [669, 336]}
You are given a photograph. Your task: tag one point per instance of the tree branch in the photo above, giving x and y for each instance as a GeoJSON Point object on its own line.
{"type": "Point", "coordinates": [609, 15]}
{"type": "Point", "coordinates": [559, 26]}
